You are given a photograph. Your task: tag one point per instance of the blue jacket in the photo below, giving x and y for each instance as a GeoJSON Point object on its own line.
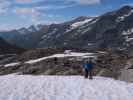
{"type": "Point", "coordinates": [88, 66]}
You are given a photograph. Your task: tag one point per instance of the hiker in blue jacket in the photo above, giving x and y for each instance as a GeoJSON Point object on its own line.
{"type": "Point", "coordinates": [88, 68]}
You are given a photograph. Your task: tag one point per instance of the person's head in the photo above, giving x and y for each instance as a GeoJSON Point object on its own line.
{"type": "Point", "coordinates": [87, 61]}
{"type": "Point", "coordinates": [90, 60]}
{"type": "Point", "coordinates": [55, 58]}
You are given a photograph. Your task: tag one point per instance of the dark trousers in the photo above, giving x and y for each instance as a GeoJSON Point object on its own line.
{"type": "Point", "coordinates": [88, 73]}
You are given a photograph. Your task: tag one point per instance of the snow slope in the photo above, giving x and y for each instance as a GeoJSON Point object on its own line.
{"type": "Point", "coordinates": [72, 54]}
{"type": "Point", "coordinates": [80, 23]}
{"type": "Point", "coordinates": [121, 18]}
{"type": "Point", "coordinates": [12, 64]}
{"type": "Point", "coordinates": [15, 87]}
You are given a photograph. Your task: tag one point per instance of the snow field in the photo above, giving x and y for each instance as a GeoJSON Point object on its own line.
{"type": "Point", "coordinates": [15, 87]}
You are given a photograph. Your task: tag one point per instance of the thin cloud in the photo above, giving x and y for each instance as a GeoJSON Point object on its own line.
{"type": "Point", "coordinates": [24, 10]}
{"type": "Point", "coordinates": [24, 1]}
{"type": "Point", "coordinates": [4, 6]}
{"type": "Point", "coordinates": [67, 4]}
{"type": "Point", "coordinates": [27, 1]}
{"type": "Point", "coordinates": [86, 2]}
{"type": "Point", "coordinates": [51, 7]}
{"type": "Point", "coordinates": [32, 12]}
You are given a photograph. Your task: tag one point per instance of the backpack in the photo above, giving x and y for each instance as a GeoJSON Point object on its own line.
{"type": "Point", "coordinates": [88, 66]}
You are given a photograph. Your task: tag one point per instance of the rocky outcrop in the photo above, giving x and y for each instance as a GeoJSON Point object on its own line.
{"type": "Point", "coordinates": [108, 64]}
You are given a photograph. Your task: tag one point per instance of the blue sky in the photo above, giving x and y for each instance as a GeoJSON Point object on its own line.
{"type": "Point", "coordinates": [23, 13]}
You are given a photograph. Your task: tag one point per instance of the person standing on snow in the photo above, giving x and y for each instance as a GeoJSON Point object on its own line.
{"type": "Point", "coordinates": [88, 69]}
{"type": "Point", "coordinates": [55, 60]}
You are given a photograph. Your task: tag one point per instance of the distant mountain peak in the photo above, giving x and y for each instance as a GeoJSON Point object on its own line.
{"type": "Point", "coordinates": [22, 30]}
{"type": "Point", "coordinates": [81, 18]}
{"type": "Point", "coordinates": [32, 28]}
{"type": "Point", "coordinates": [110, 30]}
{"type": "Point", "coordinates": [125, 9]}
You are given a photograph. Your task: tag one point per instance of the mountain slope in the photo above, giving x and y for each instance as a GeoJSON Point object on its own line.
{"type": "Point", "coordinates": [24, 37]}
{"type": "Point", "coordinates": [111, 30]}
{"type": "Point", "coordinates": [8, 48]}
{"type": "Point", "coordinates": [102, 32]}
{"type": "Point", "coordinates": [33, 37]}
{"type": "Point", "coordinates": [15, 87]}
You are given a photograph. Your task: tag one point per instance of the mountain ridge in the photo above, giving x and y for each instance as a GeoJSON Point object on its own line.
{"type": "Point", "coordinates": [6, 48]}
{"type": "Point", "coordinates": [104, 31]}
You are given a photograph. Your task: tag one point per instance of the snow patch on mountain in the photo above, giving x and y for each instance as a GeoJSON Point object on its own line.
{"type": "Point", "coordinates": [80, 23]}
{"type": "Point", "coordinates": [86, 30]}
{"type": "Point", "coordinates": [23, 31]}
{"type": "Point", "coordinates": [68, 30]}
{"type": "Point", "coordinates": [121, 18]}
{"type": "Point", "coordinates": [129, 39]}
{"type": "Point", "coordinates": [32, 29]}
{"type": "Point", "coordinates": [90, 44]}
{"type": "Point", "coordinates": [12, 64]}
{"type": "Point", "coordinates": [72, 54]}
{"type": "Point", "coordinates": [19, 87]}
{"type": "Point", "coordinates": [128, 32]}
{"type": "Point", "coordinates": [50, 33]}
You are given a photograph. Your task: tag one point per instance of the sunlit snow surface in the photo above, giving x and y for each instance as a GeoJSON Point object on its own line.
{"type": "Point", "coordinates": [12, 64]}
{"type": "Point", "coordinates": [77, 24]}
{"type": "Point", "coordinates": [72, 54]}
{"type": "Point", "coordinates": [15, 87]}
